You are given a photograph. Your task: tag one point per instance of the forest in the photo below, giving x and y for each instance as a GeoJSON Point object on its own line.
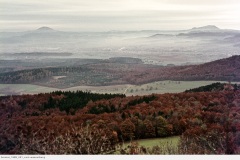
{"type": "Point", "coordinates": [207, 121]}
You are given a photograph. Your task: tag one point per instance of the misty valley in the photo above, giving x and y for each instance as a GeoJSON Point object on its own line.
{"type": "Point", "coordinates": [193, 46]}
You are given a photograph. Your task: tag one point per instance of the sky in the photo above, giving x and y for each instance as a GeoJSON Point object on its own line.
{"type": "Point", "coordinates": [108, 15]}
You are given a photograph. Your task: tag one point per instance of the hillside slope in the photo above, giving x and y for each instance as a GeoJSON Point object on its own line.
{"type": "Point", "coordinates": [224, 69]}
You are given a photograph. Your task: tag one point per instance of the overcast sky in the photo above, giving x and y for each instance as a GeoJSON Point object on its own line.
{"type": "Point", "coordinates": [105, 15]}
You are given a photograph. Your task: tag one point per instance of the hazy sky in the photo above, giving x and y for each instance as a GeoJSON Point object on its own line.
{"type": "Point", "coordinates": [105, 15]}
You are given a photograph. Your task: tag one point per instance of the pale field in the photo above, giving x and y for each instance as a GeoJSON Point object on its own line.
{"type": "Point", "coordinates": [145, 89]}
{"type": "Point", "coordinates": [156, 141]}
{"type": "Point", "coordinates": [164, 144]}
{"type": "Point", "coordinates": [167, 87]}
{"type": "Point", "coordinates": [18, 89]}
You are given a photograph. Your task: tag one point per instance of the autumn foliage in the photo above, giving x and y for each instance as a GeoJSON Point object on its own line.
{"type": "Point", "coordinates": [208, 122]}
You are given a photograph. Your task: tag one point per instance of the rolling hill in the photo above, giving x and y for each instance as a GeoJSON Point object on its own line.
{"type": "Point", "coordinates": [109, 72]}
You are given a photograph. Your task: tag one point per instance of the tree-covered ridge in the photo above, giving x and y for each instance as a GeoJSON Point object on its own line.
{"type": "Point", "coordinates": [208, 122]}
{"type": "Point", "coordinates": [215, 87]}
{"type": "Point", "coordinates": [111, 72]}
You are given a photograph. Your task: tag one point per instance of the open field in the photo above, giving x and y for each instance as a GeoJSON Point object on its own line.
{"type": "Point", "coordinates": [18, 89]}
{"type": "Point", "coordinates": [157, 141]}
{"type": "Point", "coordinates": [168, 145]}
{"type": "Point", "coordinates": [149, 88]}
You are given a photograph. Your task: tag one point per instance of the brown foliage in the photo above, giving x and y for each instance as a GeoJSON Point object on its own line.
{"type": "Point", "coordinates": [205, 120]}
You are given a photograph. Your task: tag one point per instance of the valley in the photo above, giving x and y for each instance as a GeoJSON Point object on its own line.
{"type": "Point", "coordinates": [159, 47]}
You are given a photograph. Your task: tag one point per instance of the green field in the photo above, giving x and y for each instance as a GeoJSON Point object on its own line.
{"type": "Point", "coordinates": [145, 89]}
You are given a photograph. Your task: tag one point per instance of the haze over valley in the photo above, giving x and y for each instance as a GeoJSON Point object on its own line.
{"type": "Point", "coordinates": [178, 47]}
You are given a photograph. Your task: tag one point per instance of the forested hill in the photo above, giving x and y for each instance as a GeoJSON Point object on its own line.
{"type": "Point", "coordinates": [215, 87]}
{"type": "Point", "coordinates": [114, 72]}
{"type": "Point", "coordinates": [227, 69]}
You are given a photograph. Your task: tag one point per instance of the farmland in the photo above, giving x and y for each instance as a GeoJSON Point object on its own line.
{"type": "Point", "coordinates": [148, 88]}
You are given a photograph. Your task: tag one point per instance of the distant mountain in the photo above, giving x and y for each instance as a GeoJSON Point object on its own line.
{"type": "Point", "coordinates": [45, 29]}
{"type": "Point", "coordinates": [42, 35]}
{"type": "Point", "coordinates": [209, 31]}
{"type": "Point", "coordinates": [47, 35]}
{"type": "Point", "coordinates": [205, 28]}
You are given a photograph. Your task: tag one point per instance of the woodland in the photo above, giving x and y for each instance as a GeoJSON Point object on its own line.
{"type": "Point", "coordinates": [206, 119]}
